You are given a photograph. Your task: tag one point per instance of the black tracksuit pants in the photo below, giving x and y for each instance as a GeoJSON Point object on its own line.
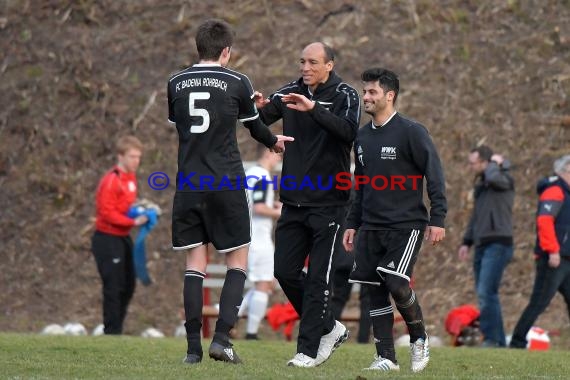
{"type": "Point", "coordinates": [547, 282]}
{"type": "Point", "coordinates": [114, 257]}
{"type": "Point", "coordinates": [342, 289]}
{"type": "Point", "coordinates": [316, 232]}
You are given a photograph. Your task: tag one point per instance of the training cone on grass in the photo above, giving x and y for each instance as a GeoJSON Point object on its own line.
{"type": "Point", "coordinates": [537, 339]}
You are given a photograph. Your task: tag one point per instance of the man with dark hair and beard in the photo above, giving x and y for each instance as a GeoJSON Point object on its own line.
{"type": "Point", "coordinates": [392, 220]}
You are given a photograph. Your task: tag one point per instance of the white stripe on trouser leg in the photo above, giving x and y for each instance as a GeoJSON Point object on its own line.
{"type": "Point", "coordinates": [383, 311]}
{"type": "Point", "coordinates": [408, 252]}
{"type": "Point", "coordinates": [386, 310]}
{"type": "Point", "coordinates": [332, 252]}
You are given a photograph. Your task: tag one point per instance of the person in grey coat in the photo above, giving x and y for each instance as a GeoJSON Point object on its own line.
{"type": "Point", "coordinates": [490, 231]}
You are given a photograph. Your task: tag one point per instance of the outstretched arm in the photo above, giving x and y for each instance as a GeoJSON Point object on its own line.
{"type": "Point", "coordinates": [261, 133]}
{"type": "Point", "coordinates": [343, 125]}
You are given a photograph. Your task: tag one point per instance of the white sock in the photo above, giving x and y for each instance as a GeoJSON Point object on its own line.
{"type": "Point", "coordinates": [244, 303]}
{"type": "Point", "coordinates": [256, 312]}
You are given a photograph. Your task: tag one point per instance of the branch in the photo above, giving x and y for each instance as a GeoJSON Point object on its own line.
{"type": "Point", "coordinates": [145, 110]}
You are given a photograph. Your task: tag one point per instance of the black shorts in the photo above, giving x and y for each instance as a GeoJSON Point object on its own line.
{"type": "Point", "coordinates": [218, 217]}
{"type": "Point", "coordinates": [381, 252]}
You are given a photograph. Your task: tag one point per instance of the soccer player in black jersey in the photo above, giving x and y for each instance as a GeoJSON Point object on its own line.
{"type": "Point", "coordinates": [393, 154]}
{"type": "Point", "coordinates": [324, 113]}
{"type": "Point", "coordinates": [210, 205]}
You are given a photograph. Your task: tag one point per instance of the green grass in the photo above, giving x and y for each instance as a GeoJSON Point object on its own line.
{"type": "Point", "coordinates": [64, 357]}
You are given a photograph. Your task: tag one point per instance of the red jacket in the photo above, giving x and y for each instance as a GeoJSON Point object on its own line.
{"type": "Point", "coordinates": [116, 193]}
{"type": "Point", "coordinates": [459, 318]}
{"type": "Point", "coordinates": [545, 221]}
{"type": "Point", "coordinates": [553, 217]}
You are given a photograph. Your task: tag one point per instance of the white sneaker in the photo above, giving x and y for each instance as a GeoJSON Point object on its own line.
{"type": "Point", "coordinates": [382, 364]}
{"type": "Point", "coordinates": [419, 353]}
{"type": "Point", "coordinates": [331, 341]}
{"type": "Point", "coordinates": [302, 360]}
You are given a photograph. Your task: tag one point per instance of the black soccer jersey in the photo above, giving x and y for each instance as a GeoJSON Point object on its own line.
{"type": "Point", "coordinates": [205, 102]}
{"type": "Point", "coordinates": [391, 162]}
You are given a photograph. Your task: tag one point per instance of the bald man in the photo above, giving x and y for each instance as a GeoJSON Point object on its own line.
{"type": "Point", "coordinates": [323, 114]}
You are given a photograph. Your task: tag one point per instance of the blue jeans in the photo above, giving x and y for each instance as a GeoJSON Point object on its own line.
{"type": "Point", "coordinates": [489, 264]}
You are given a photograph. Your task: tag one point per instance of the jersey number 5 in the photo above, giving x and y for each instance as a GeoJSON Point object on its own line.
{"type": "Point", "coordinates": [194, 111]}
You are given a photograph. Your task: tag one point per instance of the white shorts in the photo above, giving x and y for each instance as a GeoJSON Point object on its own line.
{"type": "Point", "coordinates": [260, 262]}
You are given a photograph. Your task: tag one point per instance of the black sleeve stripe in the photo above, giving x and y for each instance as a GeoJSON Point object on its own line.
{"type": "Point", "coordinates": [249, 118]}
{"type": "Point", "coordinates": [288, 86]}
{"type": "Point", "coordinates": [551, 208]}
{"type": "Point", "coordinates": [259, 194]}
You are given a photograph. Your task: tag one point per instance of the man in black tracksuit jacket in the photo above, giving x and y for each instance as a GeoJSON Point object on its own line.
{"type": "Point", "coordinates": [322, 113]}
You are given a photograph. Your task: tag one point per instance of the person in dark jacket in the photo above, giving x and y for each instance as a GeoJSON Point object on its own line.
{"type": "Point", "coordinates": [490, 230]}
{"type": "Point", "coordinates": [552, 250]}
{"type": "Point", "coordinates": [322, 113]}
{"type": "Point", "coordinates": [393, 156]}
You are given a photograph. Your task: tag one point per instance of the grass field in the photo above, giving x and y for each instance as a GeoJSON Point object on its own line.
{"type": "Point", "coordinates": [65, 357]}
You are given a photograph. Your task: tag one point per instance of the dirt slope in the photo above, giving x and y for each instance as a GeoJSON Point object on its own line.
{"type": "Point", "coordinates": [74, 75]}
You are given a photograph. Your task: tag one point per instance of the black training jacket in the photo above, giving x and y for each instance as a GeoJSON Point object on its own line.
{"type": "Point", "coordinates": [323, 140]}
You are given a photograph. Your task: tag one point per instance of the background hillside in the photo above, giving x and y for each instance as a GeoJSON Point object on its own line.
{"type": "Point", "coordinates": [74, 75]}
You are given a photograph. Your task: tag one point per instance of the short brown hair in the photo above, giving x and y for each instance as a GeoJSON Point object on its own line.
{"type": "Point", "coordinates": [128, 142]}
{"type": "Point", "coordinates": [485, 152]}
{"type": "Point", "coordinates": [213, 36]}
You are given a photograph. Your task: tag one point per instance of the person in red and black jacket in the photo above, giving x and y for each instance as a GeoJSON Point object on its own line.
{"type": "Point", "coordinates": [111, 244]}
{"type": "Point", "coordinates": [552, 251]}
